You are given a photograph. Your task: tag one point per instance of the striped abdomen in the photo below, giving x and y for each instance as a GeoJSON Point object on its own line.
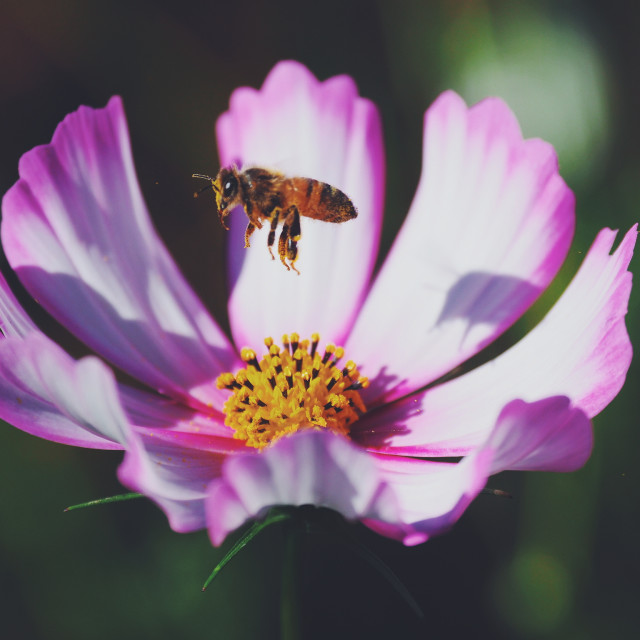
{"type": "Point", "coordinates": [318, 200]}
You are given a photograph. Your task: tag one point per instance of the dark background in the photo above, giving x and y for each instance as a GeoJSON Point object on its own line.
{"type": "Point", "coordinates": [561, 559]}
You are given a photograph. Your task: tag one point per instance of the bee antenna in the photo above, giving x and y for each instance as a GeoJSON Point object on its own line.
{"type": "Point", "coordinates": [199, 191]}
{"type": "Point", "coordinates": [209, 186]}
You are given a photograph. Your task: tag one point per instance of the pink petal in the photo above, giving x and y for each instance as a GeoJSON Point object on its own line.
{"type": "Point", "coordinates": [45, 392]}
{"type": "Point", "coordinates": [174, 477]}
{"type": "Point", "coordinates": [431, 496]}
{"type": "Point", "coordinates": [76, 230]}
{"type": "Point", "coordinates": [310, 467]}
{"type": "Point", "coordinates": [14, 321]}
{"type": "Point", "coordinates": [548, 435]}
{"type": "Point", "coordinates": [172, 455]}
{"type": "Point", "coordinates": [581, 350]}
{"type": "Point", "coordinates": [312, 129]}
{"type": "Point", "coordinates": [490, 225]}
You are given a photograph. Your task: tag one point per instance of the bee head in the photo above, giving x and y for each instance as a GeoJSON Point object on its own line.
{"type": "Point", "coordinates": [226, 188]}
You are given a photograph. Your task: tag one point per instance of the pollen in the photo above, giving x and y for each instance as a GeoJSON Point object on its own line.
{"type": "Point", "coordinates": [292, 387]}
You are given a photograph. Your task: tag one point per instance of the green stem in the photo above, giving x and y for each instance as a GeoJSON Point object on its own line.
{"type": "Point", "coordinates": [290, 618]}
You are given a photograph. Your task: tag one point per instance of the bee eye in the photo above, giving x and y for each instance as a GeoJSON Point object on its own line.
{"type": "Point", "coordinates": [230, 187]}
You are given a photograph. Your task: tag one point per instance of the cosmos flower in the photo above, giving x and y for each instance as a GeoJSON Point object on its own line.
{"type": "Point", "coordinates": [336, 388]}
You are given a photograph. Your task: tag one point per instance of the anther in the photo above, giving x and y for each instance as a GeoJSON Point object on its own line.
{"type": "Point", "coordinates": [338, 356]}
{"type": "Point", "coordinates": [274, 350]}
{"type": "Point", "coordinates": [249, 356]}
{"type": "Point", "coordinates": [363, 383]}
{"type": "Point", "coordinates": [297, 356]}
{"type": "Point", "coordinates": [315, 338]}
{"type": "Point", "coordinates": [285, 342]}
{"type": "Point", "coordinates": [329, 349]}
{"type": "Point", "coordinates": [288, 377]}
{"type": "Point", "coordinates": [295, 339]}
{"type": "Point", "coordinates": [349, 368]}
{"type": "Point", "coordinates": [335, 378]}
{"type": "Point", "coordinates": [227, 381]}
{"type": "Point", "coordinates": [243, 380]}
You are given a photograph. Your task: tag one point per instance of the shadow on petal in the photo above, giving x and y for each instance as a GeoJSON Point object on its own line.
{"type": "Point", "coordinates": [165, 361]}
{"type": "Point", "coordinates": [483, 298]}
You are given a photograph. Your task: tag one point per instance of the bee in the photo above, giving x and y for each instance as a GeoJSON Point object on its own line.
{"type": "Point", "coordinates": [267, 195]}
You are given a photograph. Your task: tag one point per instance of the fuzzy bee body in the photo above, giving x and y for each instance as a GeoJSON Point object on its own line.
{"type": "Point", "coordinates": [267, 195]}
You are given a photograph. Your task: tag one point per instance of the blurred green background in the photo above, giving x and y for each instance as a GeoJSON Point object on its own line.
{"type": "Point", "coordinates": [558, 562]}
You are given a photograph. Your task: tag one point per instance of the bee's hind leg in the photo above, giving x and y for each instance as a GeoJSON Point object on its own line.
{"type": "Point", "coordinates": [272, 231]}
{"type": "Point", "coordinates": [283, 242]}
{"type": "Point", "coordinates": [289, 236]}
{"type": "Point", "coordinates": [293, 218]}
{"type": "Point", "coordinates": [247, 234]}
{"type": "Point", "coordinates": [288, 240]}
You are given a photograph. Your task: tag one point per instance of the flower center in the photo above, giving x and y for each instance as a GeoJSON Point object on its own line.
{"type": "Point", "coordinates": [292, 388]}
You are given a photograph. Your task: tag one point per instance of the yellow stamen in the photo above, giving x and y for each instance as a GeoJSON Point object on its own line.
{"type": "Point", "coordinates": [292, 388]}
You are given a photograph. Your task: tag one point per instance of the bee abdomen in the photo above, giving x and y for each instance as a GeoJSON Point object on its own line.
{"type": "Point", "coordinates": [324, 202]}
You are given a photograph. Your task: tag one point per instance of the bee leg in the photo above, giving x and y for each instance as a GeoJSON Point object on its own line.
{"type": "Point", "coordinates": [222, 215]}
{"type": "Point", "coordinates": [283, 241]}
{"type": "Point", "coordinates": [272, 231]}
{"type": "Point", "coordinates": [294, 236]}
{"type": "Point", "coordinates": [247, 234]}
{"type": "Point", "coordinates": [292, 254]}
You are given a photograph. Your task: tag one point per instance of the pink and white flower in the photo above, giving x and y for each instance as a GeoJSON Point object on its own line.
{"type": "Point", "coordinates": [489, 227]}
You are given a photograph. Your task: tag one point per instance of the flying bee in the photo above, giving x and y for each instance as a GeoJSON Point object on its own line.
{"type": "Point", "coordinates": [271, 196]}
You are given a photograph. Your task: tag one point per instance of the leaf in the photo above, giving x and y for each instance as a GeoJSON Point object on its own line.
{"type": "Point", "coordinates": [118, 498]}
{"type": "Point", "coordinates": [272, 518]}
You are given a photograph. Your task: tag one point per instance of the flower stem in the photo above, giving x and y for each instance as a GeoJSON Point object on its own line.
{"type": "Point", "coordinates": [290, 618]}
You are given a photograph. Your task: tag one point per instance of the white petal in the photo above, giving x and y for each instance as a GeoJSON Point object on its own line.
{"type": "Point", "coordinates": [489, 227]}
{"type": "Point", "coordinates": [309, 129]}
{"type": "Point", "coordinates": [581, 350]}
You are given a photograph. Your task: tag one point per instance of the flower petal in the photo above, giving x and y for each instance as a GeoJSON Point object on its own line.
{"type": "Point", "coordinates": [547, 435]}
{"type": "Point", "coordinates": [153, 411]}
{"type": "Point", "coordinates": [431, 496]}
{"type": "Point", "coordinates": [309, 467]}
{"type": "Point", "coordinates": [172, 455]}
{"type": "Point", "coordinates": [311, 129]}
{"type": "Point", "coordinates": [43, 391]}
{"type": "Point", "coordinates": [581, 350]}
{"type": "Point", "coordinates": [490, 225]}
{"type": "Point", "coordinates": [14, 321]}
{"type": "Point", "coordinates": [76, 230]}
